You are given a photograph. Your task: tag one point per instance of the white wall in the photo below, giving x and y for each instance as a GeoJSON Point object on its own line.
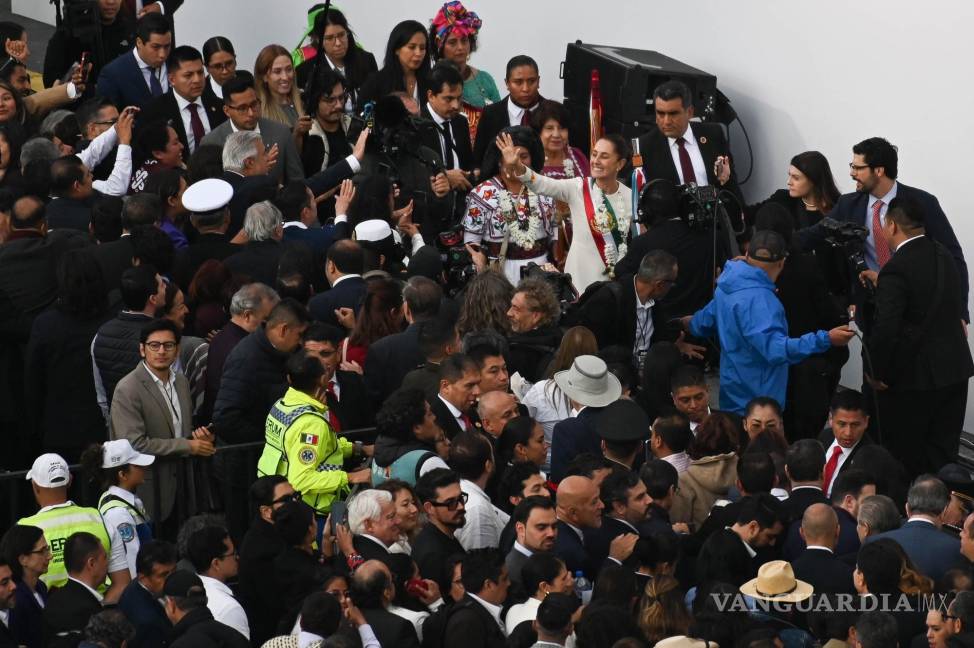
{"type": "Point", "coordinates": [821, 75]}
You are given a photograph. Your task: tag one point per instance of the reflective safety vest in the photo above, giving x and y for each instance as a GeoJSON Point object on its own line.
{"type": "Point", "coordinates": [59, 522]}
{"type": "Point", "coordinates": [142, 528]}
{"type": "Point", "coordinates": [299, 445]}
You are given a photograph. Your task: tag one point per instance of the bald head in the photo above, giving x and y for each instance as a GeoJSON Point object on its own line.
{"type": "Point", "coordinates": [495, 409]}
{"type": "Point", "coordinates": [820, 526]}
{"type": "Point", "coordinates": [578, 502]}
{"type": "Point", "coordinates": [369, 569]}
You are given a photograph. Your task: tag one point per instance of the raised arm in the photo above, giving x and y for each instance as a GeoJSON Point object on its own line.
{"type": "Point", "coordinates": [511, 164]}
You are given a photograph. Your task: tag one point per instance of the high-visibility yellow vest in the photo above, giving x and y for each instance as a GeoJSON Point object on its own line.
{"type": "Point", "coordinates": [59, 523]}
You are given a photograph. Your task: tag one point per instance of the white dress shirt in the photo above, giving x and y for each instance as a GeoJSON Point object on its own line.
{"type": "Point", "coordinates": [484, 520]}
{"type": "Point", "coordinates": [870, 251]}
{"type": "Point", "coordinates": [457, 414]}
{"type": "Point", "coordinates": [912, 238]}
{"type": "Point", "coordinates": [97, 150]}
{"type": "Point", "coordinates": [527, 611]}
{"type": "Point", "coordinates": [442, 124]}
{"type": "Point", "coordinates": [548, 406]}
{"type": "Point", "coordinates": [185, 112]}
{"type": "Point", "coordinates": [679, 460]}
{"type": "Point", "coordinates": [224, 607]}
{"type": "Point", "coordinates": [216, 88]}
{"type": "Point", "coordinates": [515, 112]}
{"type": "Point", "coordinates": [696, 158]}
{"type": "Point", "coordinates": [644, 324]}
{"type": "Point", "coordinates": [171, 396]}
{"type": "Point", "coordinates": [160, 73]}
{"type": "Point", "coordinates": [234, 128]}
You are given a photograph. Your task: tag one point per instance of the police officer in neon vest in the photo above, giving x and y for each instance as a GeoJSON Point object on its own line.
{"type": "Point", "coordinates": [121, 469]}
{"type": "Point", "coordinates": [59, 517]}
{"type": "Point", "coordinates": [300, 445]}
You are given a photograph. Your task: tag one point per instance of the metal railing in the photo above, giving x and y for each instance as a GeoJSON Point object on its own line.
{"type": "Point", "coordinates": [213, 493]}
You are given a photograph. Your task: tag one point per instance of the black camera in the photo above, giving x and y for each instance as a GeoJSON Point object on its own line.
{"type": "Point", "coordinates": [850, 240]}
{"type": "Point", "coordinates": [559, 281]}
{"type": "Point", "coordinates": [661, 200]}
{"type": "Point", "coordinates": [698, 205]}
{"type": "Point", "coordinates": [457, 262]}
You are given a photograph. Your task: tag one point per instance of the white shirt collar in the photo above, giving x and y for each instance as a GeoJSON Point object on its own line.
{"type": "Point", "coordinates": [626, 522]}
{"type": "Point", "coordinates": [172, 376]}
{"type": "Point", "coordinates": [689, 140]}
{"type": "Point", "coordinates": [522, 549]}
{"type": "Point", "coordinates": [750, 551]}
{"type": "Point", "coordinates": [143, 65]}
{"type": "Point", "coordinates": [470, 487]}
{"type": "Point", "coordinates": [912, 238]}
{"type": "Point", "coordinates": [820, 547]}
{"type": "Point", "coordinates": [812, 486]}
{"type": "Point", "coordinates": [515, 112]}
{"type": "Point", "coordinates": [5, 618]}
{"type": "Point", "coordinates": [123, 494]}
{"type": "Point", "coordinates": [88, 587]}
{"type": "Point", "coordinates": [234, 128]}
{"type": "Point", "coordinates": [453, 410]}
{"type": "Point", "coordinates": [182, 102]}
{"type": "Point", "coordinates": [649, 302]}
{"type": "Point", "coordinates": [434, 115]}
{"type": "Point", "coordinates": [50, 507]}
{"type": "Point", "coordinates": [918, 518]}
{"type": "Point", "coordinates": [220, 586]}
{"type": "Point", "coordinates": [343, 278]}
{"type": "Point", "coordinates": [375, 540]}
{"type": "Point", "coordinates": [216, 88]}
{"type": "Point", "coordinates": [495, 610]}
{"type": "Point", "coordinates": [574, 528]}
{"type": "Point", "coordinates": [297, 224]}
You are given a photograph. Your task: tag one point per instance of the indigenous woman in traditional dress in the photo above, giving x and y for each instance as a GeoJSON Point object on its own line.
{"type": "Point", "coordinates": [453, 34]}
{"type": "Point", "coordinates": [561, 161]}
{"type": "Point", "coordinates": [511, 222]}
{"type": "Point", "coordinates": [600, 207]}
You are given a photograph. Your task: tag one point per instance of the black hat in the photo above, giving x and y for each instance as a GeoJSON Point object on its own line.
{"type": "Point", "coordinates": [426, 262]}
{"type": "Point", "coordinates": [957, 478]}
{"type": "Point", "coordinates": [556, 610]}
{"type": "Point", "coordinates": [767, 246]}
{"type": "Point", "coordinates": [184, 584]}
{"type": "Point", "coordinates": [622, 420]}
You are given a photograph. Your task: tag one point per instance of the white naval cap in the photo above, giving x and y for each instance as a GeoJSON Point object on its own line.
{"type": "Point", "coordinates": [207, 195]}
{"type": "Point", "coordinates": [374, 230]}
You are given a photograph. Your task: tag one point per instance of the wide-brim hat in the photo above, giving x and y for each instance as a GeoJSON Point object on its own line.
{"type": "Point", "coordinates": [589, 382]}
{"type": "Point", "coordinates": [776, 582]}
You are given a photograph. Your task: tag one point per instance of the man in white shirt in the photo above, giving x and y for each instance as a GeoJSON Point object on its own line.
{"type": "Point", "coordinates": [848, 422]}
{"type": "Point", "coordinates": [472, 457]}
{"type": "Point", "coordinates": [669, 438]}
{"type": "Point", "coordinates": [215, 559]}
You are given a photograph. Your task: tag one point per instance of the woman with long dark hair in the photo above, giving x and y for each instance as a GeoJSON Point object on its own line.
{"type": "Point", "coordinates": [220, 60]}
{"type": "Point", "coordinates": [811, 192]}
{"type": "Point", "coordinates": [342, 54]}
{"type": "Point", "coordinates": [58, 380]}
{"type": "Point", "coordinates": [381, 315]}
{"type": "Point", "coordinates": [405, 66]}
{"type": "Point", "coordinates": [26, 551]}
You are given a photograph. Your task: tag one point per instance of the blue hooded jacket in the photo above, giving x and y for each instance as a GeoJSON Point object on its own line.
{"type": "Point", "coordinates": [749, 320]}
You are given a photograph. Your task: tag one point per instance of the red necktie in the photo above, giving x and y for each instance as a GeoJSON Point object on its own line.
{"type": "Point", "coordinates": [883, 252]}
{"type": "Point", "coordinates": [526, 118]}
{"type": "Point", "coordinates": [467, 423]}
{"type": "Point", "coordinates": [196, 124]}
{"type": "Point", "coordinates": [686, 166]}
{"type": "Point", "coordinates": [830, 468]}
{"type": "Point", "coordinates": [333, 422]}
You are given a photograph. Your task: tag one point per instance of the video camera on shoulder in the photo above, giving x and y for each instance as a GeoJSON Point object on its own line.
{"type": "Point", "coordinates": [561, 282]}
{"type": "Point", "coordinates": [662, 199]}
{"type": "Point", "coordinates": [457, 262]}
{"type": "Point", "coordinates": [850, 240]}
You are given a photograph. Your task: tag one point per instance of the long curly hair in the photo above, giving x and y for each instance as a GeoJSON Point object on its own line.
{"type": "Point", "coordinates": [485, 304]}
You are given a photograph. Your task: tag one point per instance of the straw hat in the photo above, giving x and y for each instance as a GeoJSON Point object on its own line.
{"type": "Point", "coordinates": [589, 382]}
{"type": "Point", "coordinates": [776, 582]}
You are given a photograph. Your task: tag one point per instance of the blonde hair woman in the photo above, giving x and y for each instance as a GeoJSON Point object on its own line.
{"type": "Point", "coordinates": [278, 90]}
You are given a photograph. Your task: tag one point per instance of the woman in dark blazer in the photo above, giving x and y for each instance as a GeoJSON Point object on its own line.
{"type": "Point", "coordinates": [343, 53]}
{"type": "Point", "coordinates": [220, 60]}
{"type": "Point", "coordinates": [27, 553]}
{"type": "Point", "coordinates": [405, 66]}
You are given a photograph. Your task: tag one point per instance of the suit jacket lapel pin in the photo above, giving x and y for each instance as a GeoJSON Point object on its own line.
{"type": "Point", "coordinates": [703, 140]}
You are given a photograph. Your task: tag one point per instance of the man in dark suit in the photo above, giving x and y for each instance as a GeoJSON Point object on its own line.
{"type": "Point", "coordinates": [136, 78]}
{"type": "Point", "coordinates": [635, 318]}
{"type": "Point", "coordinates": [392, 357]}
{"type": "Point", "coordinates": [817, 564]}
{"type": "Point", "coordinates": [372, 536]}
{"type": "Point", "coordinates": [191, 114]}
{"type": "Point", "coordinates": [845, 436]}
{"type": "Point", "coordinates": [579, 511]}
{"type": "Point", "coordinates": [456, 400]}
{"type": "Point", "coordinates": [8, 588]}
{"type": "Point", "coordinates": [207, 202]}
{"type": "Point", "coordinates": [535, 529]}
{"type": "Point", "coordinates": [140, 601]}
{"type": "Point", "coordinates": [115, 257]}
{"type": "Point", "coordinates": [111, 26]}
{"type": "Point", "coordinates": [344, 264]}
{"type": "Point", "coordinates": [372, 590]}
{"type": "Point", "coordinates": [804, 462]}
{"type": "Point", "coordinates": [441, 498]}
{"type": "Point", "coordinates": [683, 151]}
{"type": "Point", "coordinates": [242, 111]}
{"type": "Point", "coordinates": [68, 608]}
{"type": "Point", "coordinates": [874, 169]}
{"type": "Point", "coordinates": [450, 134]}
{"type": "Point", "coordinates": [348, 403]}
{"type": "Point", "coordinates": [72, 194]}
{"type": "Point", "coordinates": [922, 537]}
{"type": "Point", "coordinates": [475, 620]}
{"type": "Point", "coordinates": [921, 362]}
{"type": "Point", "coordinates": [626, 503]}
{"type": "Point", "coordinates": [515, 109]}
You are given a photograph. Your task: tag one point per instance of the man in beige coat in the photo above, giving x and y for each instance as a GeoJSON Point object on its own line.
{"type": "Point", "coordinates": [152, 408]}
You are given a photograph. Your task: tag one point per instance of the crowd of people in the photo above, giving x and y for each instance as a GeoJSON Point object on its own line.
{"type": "Point", "coordinates": [362, 356]}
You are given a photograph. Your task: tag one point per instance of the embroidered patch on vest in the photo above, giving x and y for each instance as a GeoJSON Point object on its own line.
{"type": "Point", "coordinates": [307, 456]}
{"type": "Point", "coordinates": [127, 531]}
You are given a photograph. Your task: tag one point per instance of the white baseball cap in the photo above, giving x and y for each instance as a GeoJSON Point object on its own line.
{"type": "Point", "coordinates": [50, 470]}
{"type": "Point", "coordinates": [120, 452]}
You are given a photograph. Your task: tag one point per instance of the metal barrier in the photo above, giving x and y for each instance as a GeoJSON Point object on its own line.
{"type": "Point", "coordinates": [212, 494]}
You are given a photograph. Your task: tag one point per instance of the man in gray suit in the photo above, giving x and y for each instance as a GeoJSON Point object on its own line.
{"type": "Point", "coordinates": [152, 408]}
{"type": "Point", "coordinates": [241, 105]}
{"type": "Point", "coordinates": [536, 527]}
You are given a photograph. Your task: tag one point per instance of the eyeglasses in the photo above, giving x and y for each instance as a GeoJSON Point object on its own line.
{"type": "Point", "coordinates": [452, 503]}
{"type": "Point", "coordinates": [45, 551]}
{"type": "Point", "coordinates": [858, 167]}
{"type": "Point", "coordinates": [284, 499]}
{"type": "Point", "coordinates": [224, 67]}
{"type": "Point", "coordinates": [157, 346]}
{"type": "Point", "coordinates": [340, 36]}
{"type": "Point", "coordinates": [335, 99]}
{"type": "Point", "coordinates": [251, 107]}
{"type": "Point", "coordinates": [232, 554]}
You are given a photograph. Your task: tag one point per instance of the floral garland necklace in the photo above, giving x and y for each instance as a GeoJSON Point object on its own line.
{"type": "Point", "coordinates": [522, 232]}
{"type": "Point", "coordinates": [610, 228]}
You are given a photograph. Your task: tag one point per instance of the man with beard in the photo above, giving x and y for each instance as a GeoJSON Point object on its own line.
{"type": "Point", "coordinates": [445, 506]}
{"type": "Point", "coordinates": [536, 527]}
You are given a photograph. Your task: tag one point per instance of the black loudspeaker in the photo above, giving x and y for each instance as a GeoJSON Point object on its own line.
{"type": "Point", "coordinates": [628, 78]}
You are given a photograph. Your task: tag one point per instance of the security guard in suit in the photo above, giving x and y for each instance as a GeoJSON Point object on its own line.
{"type": "Point", "coordinates": [299, 443]}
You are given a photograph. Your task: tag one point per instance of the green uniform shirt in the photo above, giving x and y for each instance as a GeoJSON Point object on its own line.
{"type": "Point", "coordinates": [59, 522]}
{"type": "Point", "coordinates": [299, 445]}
